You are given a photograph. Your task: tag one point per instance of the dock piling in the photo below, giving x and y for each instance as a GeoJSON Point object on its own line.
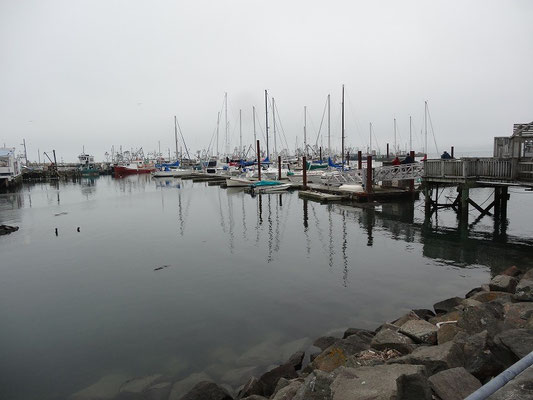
{"type": "Point", "coordinates": [359, 160]}
{"type": "Point", "coordinates": [368, 186]}
{"type": "Point", "coordinates": [279, 168]}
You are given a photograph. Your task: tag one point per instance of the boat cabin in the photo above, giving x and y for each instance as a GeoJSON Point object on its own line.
{"type": "Point", "coordinates": [10, 168]}
{"type": "Point", "coordinates": [518, 145]}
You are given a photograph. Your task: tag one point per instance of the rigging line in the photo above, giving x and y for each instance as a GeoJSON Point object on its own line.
{"type": "Point", "coordinates": [260, 127]}
{"type": "Point", "coordinates": [321, 122]}
{"type": "Point", "coordinates": [183, 139]}
{"type": "Point", "coordinates": [432, 131]}
{"type": "Point", "coordinates": [281, 126]}
{"type": "Point", "coordinates": [357, 127]}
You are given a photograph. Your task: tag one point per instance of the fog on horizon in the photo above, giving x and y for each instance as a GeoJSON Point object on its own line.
{"type": "Point", "coordinates": [114, 73]}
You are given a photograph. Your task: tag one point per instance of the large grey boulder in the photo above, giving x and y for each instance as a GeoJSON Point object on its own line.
{"type": "Point", "coordinates": [453, 384]}
{"type": "Point", "coordinates": [317, 386]}
{"type": "Point", "coordinates": [411, 315]}
{"type": "Point", "coordinates": [487, 297]}
{"type": "Point", "coordinates": [420, 331]}
{"type": "Point", "coordinates": [207, 391]}
{"type": "Point", "coordinates": [337, 354]}
{"type": "Point", "coordinates": [524, 290]}
{"type": "Point", "coordinates": [359, 332]}
{"type": "Point", "coordinates": [383, 382]}
{"type": "Point", "coordinates": [517, 315]}
{"type": "Point", "coordinates": [434, 358]}
{"type": "Point", "coordinates": [512, 345]}
{"type": "Point", "coordinates": [447, 305]}
{"type": "Point", "coordinates": [480, 361]}
{"type": "Point", "coordinates": [324, 342]}
{"type": "Point", "coordinates": [503, 283]}
{"type": "Point", "coordinates": [288, 392]}
{"type": "Point", "coordinates": [520, 388]}
{"type": "Point", "coordinates": [488, 316]}
{"type": "Point", "coordinates": [269, 380]}
{"type": "Point", "coordinates": [389, 339]}
{"type": "Point", "coordinates": [251, 387]}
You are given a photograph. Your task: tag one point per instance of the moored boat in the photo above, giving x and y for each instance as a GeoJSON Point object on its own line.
{"type": "Point", "coordinates": [134, 167]}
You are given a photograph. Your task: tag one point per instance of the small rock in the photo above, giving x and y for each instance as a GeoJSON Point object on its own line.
{"type": "Point", "coordinates": [250, 388]}
{"type": "Point", "coordinates": [325, 341]}
{"type": "Point", "coordinates": [524, 290]}
{"type": "Point", "coordinates": [451, 316]}
{"type": "Point", "coordinates": [255, 397]}
{"type": "Point", "coordinates": [296, 360]}
{"type": "Point", "coordinates": [269, 380]}
{"type": "Point", "coordinates": [473, 292]}
{"type": "Point", "coordinates": [454, 384]}
{"type": "Point", "coordinates": [503, 283]}
{"type": "Point", "coordinates": [420, 331]}
{"type": "Point", "coordinates": [389, 339]}
{"type": "Point", "coordinates": [447, 305]}
{"type": "Point", "coordinates": [486, 297]}
{"type": "Point", "coordinates": [517, 315]}
{"type": "Point", "coordinates": [435, 358]}
{"type": "Point", "coordinates": [207, 391]}
{"type": "Point", "coordinates": [528, 275]}
{"type": "Point", "coordinates": [424, 313]}
{"type": "Point", "coordinates": [446, 333]}
{"type": "Point", "coordinates": [288, 392]}
{"type": "Point", "coordinates": [381, 382]}
{"type": "Point", "coordinates": [411, 315]}
{"type": "Point", "coordinates": [359, 332]}
{"type": "Point", "coordinates": [512, 271]}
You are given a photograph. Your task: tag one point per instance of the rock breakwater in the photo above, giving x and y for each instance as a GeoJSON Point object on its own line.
{"type": "Point", "coordinates": [445, 353]}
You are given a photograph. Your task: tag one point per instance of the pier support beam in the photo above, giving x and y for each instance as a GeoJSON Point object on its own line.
{"type": "Point", "coordinates": [464, 191]}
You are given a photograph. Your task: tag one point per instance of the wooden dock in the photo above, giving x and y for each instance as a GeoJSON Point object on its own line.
{"type": "Point", "coordinates": [322, 197]}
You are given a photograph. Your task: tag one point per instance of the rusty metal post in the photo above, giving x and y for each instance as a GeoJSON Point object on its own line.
{"type": "Point", "coordinates": [258, 161]}
{"type": "Point", "coordinates": [304, 171]}
{"type": "Point", "coordinates": [359, 160]}
{"type": "Point", "coordinates": [368, 186]}
{"type": "Point", "coordinates": [279, 168]}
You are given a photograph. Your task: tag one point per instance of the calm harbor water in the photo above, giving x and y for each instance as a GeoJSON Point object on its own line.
{"type": "Point", "coordinates": [175, 277]}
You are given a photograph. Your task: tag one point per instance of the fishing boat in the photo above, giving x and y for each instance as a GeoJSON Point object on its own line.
{"type": "Point", "coordinates": [86, 166]}
{"type": "Point", "coordinates": [270, 186]}
{"type": "Point", "coordinates": [134, 167]}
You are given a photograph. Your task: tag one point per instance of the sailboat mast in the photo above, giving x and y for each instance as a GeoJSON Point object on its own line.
{"type": "Point", "coordinates": [253, 114]}
{"type": "Point", "coordinates": [410, 134]}
{"type": "Point", "coordinates": [266, 122]}
{"type": "Point", "coordinates": [329, 127]}
{"type": "Point", "coordinates": [218, 124]}
{"type": "Point", "coordinates": [426, 127]}
{"type": "Point", "coordinates": [342, 127]}
{"type": "Point", "coordinates": [176, 135]}
{"type": "Point", "coordinates": [395, 144]}
{"type": "Point", "coordinates": [240, 134]}
{"type": "Point", "coordinates": [274, 126]}
{"type": "Point", "coordinates": [305, 130]}
{"type": "Point", "coordinates": [226, 118]}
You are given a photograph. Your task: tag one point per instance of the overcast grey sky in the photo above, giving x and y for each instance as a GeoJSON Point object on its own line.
{"type": "Point", "coordinates": [102, 73]}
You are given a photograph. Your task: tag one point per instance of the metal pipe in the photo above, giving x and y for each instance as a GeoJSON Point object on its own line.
{"type": "Point", "coordinates": [497, 383]}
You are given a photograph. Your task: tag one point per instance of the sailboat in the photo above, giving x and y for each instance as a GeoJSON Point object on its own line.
{"type": "Point", "coordinates": [168, 170]}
